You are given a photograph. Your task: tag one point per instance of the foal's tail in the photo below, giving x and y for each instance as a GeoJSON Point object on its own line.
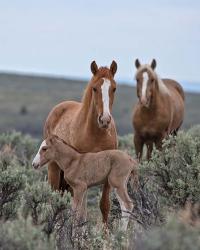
{"type": "Point", "coordinates": [134, 180]}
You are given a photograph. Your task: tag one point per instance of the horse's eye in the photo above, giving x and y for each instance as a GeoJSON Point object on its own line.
{"type": "Point", "coordinates": [94, 89]}
{"type": "Point", "coordinates": [152, 80]}
{"type": "Point", "coordinates": [137, 79]}
{"type": "Point", "coordinates": [44, 149]}
{"type": "Point", "coordinates": [114, 89]}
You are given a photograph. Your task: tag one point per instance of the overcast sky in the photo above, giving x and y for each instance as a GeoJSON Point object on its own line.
{"type": "Point", "coordinates": [63, 37]}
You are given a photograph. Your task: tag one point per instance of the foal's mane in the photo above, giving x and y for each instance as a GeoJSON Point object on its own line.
{"type": "Point", "coordinates": [162, 87]}
{"type": "Point", "coordinates": [63, 141]}
{"type": "Point", "coordinates": [87, 96]}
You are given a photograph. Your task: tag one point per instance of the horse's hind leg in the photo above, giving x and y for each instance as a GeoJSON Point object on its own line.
{"type": "Point", "coordinates": [54, 175]}
{"type": "Point", "coordinates": [105, 202]}
{"type": "Point", "coordinates": [125, 204]}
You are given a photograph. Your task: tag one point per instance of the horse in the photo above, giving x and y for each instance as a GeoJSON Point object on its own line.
{"type": "Point", "coordinates": [88, 126]}
{"type": "Point", "coordinates": [159, 111]}
{"type": "Point", "coordinates": [84, 170]}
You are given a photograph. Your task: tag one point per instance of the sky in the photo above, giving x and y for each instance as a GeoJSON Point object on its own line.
{"type": "Point", "coordinates": [62, 37]}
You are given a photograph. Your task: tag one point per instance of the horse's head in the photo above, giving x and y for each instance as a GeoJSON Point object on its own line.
{"type": "Point", "coordinates": [46, 152]}
{"type": "Point", "coordinates": [103, 90]}
{"type": "Point", "coordinates": [146, 82]}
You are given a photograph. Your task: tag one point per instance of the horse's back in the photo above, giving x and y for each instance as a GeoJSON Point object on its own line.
{"type": "Point", "coordinates": [59, 114]}
{"type": "Point", "coordinates": [171, 84]}
{"type": "Point", "coordinates": [177, 104]}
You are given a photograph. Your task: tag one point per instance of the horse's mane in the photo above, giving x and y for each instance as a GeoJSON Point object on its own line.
{"type": "Point", "coordinates": [87, 96]}
{"type": "Point", "coordinates": [162, 87]}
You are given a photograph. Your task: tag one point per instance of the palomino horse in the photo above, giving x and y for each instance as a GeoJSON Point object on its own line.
{"type": "Point", "coordinates": [84, 170]}
{"type": "Point", "coordinates": [87, 126]}
{"type": "Point", "coordinates": [159, 111]}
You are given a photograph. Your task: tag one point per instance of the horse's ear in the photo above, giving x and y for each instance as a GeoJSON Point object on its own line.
{"type": "Point", "coordinates": [137, 63]}
{"type": "Point", "coordinates": [52, 138]}
{"type": "Point", "coordinates": [153, 64]}
{"type": "Point", "coordinates": [94, 67]}
{"type": "Point", "coordinates": [113, 67]}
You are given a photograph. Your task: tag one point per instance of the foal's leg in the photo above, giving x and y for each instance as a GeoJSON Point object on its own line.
{"type": "Point", "coordinates": [105, 202]}
{"type": "Point", "coordinates": [84, 206]}
{"type": "Point", "coordinates": [54, 175]}
{"type": "Point", "coordinates": [138, 146]}
{"type": "Point", "coordinates": [77, 203]}
{"type": "Point", "coordinates": [125, 204]}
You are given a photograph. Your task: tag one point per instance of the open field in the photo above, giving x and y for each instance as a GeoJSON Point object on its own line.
{"type": "Point", "coordinates": [25, 102]}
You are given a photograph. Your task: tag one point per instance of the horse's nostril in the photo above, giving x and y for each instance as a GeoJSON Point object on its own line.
{"type": "Point", "coordinates": [100, 119]}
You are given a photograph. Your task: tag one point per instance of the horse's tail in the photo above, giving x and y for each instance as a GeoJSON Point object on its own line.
{"type": "Point", "coordinates": [134, 180]}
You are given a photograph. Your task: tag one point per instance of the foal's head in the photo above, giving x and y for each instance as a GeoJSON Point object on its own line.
{"type": "Point", "coordinates": [103, 88]}
{"type": "Point", "coordinates": [46, 152]}
{"type": "Point", "coordinates": [146, 81]}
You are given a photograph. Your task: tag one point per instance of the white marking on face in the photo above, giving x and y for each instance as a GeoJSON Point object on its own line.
{"type": "Point", "coordinates": [36, 160]}
{"type": "Point", "coordinates": [144, 85]}
{"type": "Point", "coordinates": [105, 97]}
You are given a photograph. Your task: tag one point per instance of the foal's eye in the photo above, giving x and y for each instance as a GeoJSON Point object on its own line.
{"type": "Point", "coordinates": [152, 80]}
{"type": "Point", "coordinates": [94, 89]}
{"type": "Point", "coordinates": [114, 89]}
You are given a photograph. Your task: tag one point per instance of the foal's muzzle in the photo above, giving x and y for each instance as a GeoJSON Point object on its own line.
{"type": "Point", "coordinates": [35, 165]}
{"type": "Point", "coordinates": [104, 121]}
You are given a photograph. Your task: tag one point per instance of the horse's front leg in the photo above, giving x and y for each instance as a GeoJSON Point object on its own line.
{"type": "Point", "coordinates": [149, 150]}
{"type": "Point", "coordinates": [105, 202]}
{"type": "Point", "coordinates": [138, 142]}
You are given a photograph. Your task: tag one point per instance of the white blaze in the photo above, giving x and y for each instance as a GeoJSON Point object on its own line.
{"type": "Point", "coordinates": [105, 96]}
{"type": "Point", "coordinates": [36, 160]}
{"type": "Point", "coordinates": [144, 85]}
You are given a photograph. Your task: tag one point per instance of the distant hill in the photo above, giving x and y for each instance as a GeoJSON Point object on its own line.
{"type": "Point", "coordinates": [26, 100]}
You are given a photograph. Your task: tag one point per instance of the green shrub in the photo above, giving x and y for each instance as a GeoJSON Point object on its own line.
{"type": "Point", "coordinates": [126, 144]}
{"type": "Point", "coordinates": [173, 236]}
{"type": "Point", "coordinates": [24, 146]}
{"type": "Point", "coordinates": [22, 235]}
{"type": "Point", "coordinates": [36, 218]}
{"type": "Point", "coordinates": [45, 207]}
{"type": "Point", "coordinates": [176, 170]}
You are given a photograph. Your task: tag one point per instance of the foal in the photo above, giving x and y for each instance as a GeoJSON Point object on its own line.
{"type": "Point", "coordinates": [84, 170]}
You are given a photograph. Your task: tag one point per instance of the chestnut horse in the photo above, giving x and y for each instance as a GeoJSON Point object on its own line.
{"type": "Point", "coordinates": [159, 111]}
{"type": "Point", "coordinates": [88, 126]}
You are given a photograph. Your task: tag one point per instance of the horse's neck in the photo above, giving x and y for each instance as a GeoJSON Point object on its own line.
{"type": "Point", "coordinates": [65, 155]}
{"type": "Point", "coordinates": [158, 95]}
{"type": "Point", "coordinates": [88, 118]}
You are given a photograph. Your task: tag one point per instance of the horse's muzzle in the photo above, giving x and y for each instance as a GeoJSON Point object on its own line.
{"type": "Point", "coordinates": [104, 121]}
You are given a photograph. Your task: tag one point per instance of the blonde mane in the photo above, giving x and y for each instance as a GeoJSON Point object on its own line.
{"type": "Point", "coordinates": [162, 87]}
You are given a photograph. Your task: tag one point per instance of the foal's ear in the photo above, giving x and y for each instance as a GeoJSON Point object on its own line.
{"type": "Point", "coordinates": [137, 63]}
{"type": "Point", "coordinates": [94, 67]}
{"type": "Point", "coordinates": [153, 64]}
{"type": "Point", "coordinates": [52, 138]}
{"type": "Point", "coordinates": [113, 68]}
